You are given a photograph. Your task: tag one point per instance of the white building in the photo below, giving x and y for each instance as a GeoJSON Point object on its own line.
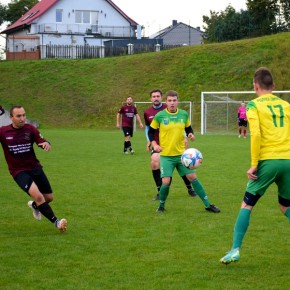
{"type": "Point", "coordinates": [67, 22]}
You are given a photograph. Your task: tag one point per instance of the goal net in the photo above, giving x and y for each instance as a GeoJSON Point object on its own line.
{"type": "Point", "coordinates": [219, 110]}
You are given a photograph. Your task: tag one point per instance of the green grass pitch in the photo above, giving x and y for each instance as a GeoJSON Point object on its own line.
{"type": "Point", "coordinates": [116, 240]}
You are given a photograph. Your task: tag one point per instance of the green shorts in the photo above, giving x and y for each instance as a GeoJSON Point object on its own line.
{"type": "Point", "coordinates": [270, 171]}
{"type": "Point", "coordinates": [168, 163]}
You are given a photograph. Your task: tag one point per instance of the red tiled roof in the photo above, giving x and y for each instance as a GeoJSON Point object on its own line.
{"type": "Point", "coordinates": [37, 10]}
{"type": "Point", "coordinates": [42, 6]}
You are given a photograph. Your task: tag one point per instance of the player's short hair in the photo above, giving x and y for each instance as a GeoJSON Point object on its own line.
{"type": "Point", "coordinates": [264, 78]}
{"type": "Point", "coordinates": [156, 91]}
{"type": "Point", "coordinates": [171, 93]}
{"type": "Point", "coordinates": [14, 107]}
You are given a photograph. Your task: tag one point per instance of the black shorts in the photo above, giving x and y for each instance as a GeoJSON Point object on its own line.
{"type": "Point", "coordinates": [128, 131]}
{"type": "Point", "coordinates": [243, 123]}
{"type": "Point", "coordinates": [25, 179]}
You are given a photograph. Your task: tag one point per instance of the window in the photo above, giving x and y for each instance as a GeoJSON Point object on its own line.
{"type": "Point", "coordinates": [58, 15]}
{"type": "Point", "coordinates": [85, 16]}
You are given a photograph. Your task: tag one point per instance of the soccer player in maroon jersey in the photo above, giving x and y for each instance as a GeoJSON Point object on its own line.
{"type": "Point", "coordinates": [128, 111]}
{"type": "Point", "coordinates": [17, 141]}
{"type": "Point", "coordinates": [149, 113]}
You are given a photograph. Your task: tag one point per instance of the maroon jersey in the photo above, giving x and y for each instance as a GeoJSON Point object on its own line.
{"type": "Point", "coordinates": [148, 117]}
{"type": "Point", "coordinates": [128, 113]}
{"type": "Point", "coordinates": [18, 149]}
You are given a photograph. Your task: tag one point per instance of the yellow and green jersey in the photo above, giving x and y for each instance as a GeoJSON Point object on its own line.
{"type": "Point", "coordinates": [171, 131]}
{"type": "Point", "coordinates": [269, 120]}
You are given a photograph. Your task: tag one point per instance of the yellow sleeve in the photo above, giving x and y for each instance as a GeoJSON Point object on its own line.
{"type": "Point", "coordinates": [154, 124]}
{"type": "Point", "coordinates": [254, 123]}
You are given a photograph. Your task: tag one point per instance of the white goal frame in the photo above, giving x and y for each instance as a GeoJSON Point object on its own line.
{"type": "Point", "coordinates": [204, 102]}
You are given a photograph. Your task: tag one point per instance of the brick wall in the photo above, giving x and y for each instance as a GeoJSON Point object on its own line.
{"type": "Point", "coordinates": [23, 55]}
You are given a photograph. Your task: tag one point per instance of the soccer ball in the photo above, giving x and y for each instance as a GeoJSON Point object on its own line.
{"type": "Point", "coordinates": [191, 158]}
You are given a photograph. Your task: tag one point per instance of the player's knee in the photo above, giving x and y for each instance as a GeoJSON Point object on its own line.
{"type": "Point", "coordinates": [251, 199]}
{"type": "Point", "coordinates": [191, 177]}
{"type": "Point", "coordinates": [283, 203]}
{"type": "Point", "coordinates": [48, 197]}
{"type": "Point", "coordinates": [166, 181]}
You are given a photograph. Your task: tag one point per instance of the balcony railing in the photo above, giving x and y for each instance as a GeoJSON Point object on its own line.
{"type": "Point", "coordinates": [101, 30]}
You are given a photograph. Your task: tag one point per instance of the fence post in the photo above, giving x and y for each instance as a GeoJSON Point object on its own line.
{"type": "Point", "coordinates": [130, 48]}
{"type": "Point", "coordinates": [74, 51]}
{"type": "Point", "coordinates": [102, 51]}
{"type": "Point", "coordinates": [157, 47]}
{"type": "Point", "coordinates": [42, 51]}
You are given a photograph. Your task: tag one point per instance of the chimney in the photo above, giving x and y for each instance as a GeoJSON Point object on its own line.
{"type": "Point", "coordinates": [174, 22]}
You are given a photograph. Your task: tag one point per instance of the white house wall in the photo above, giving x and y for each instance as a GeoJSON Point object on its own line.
{"type": "Point", "coordinates": [107, 15]}
{"type": "Point", "coordinates": [53, 39]}
{"type": "Point", "coordinates": [109, 22]}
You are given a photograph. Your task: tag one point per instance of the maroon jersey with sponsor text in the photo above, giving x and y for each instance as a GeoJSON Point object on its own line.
{"type": "Point", "coordinates": [128, 113]}
{"type": "Point", "coordinates": [149, 115]}
{"type": "Point", "coordinates": [18, 149]}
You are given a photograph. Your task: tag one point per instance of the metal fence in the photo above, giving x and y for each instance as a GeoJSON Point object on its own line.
{"type": "Point", "coordinates": [70, 51]}
{"type": "Point", "coordinates": [90, 51]}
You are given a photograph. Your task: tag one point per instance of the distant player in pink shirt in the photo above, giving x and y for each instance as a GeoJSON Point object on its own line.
{"type": "Point", "coordinates": [242, 120]}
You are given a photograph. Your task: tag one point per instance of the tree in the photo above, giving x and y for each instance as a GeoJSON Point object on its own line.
{"type": "Point", "coordinates": [263, 15]}
{"type": "Point", "coordinates": [226, 25]}
{"type": "Point", "coordinates": [284, 14]}
{"type": "Point", "coordinates": [2, 13]}
{"type": "Point", "coordinates": [16, 8]}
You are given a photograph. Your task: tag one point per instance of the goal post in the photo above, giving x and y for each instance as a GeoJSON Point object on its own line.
{"type": "Point", "coordinates": [219, 110]}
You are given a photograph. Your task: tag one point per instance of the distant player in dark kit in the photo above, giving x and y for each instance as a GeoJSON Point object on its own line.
{"type": "Point", "coordinates": [149, 113]}
{"type": "Point", "coordinates": [17, 140]}
{"type": "Point", "coordinates": [128, 111]}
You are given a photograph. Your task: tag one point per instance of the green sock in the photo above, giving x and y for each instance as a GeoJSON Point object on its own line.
{"type": "Point", "coordinates": [198, 188]}
{"type": "Point", "coordinates": [241, 226]}
{"type": "Point", "coordinates": [163, 193]}
{"type": "Point", "coordinates": [287, 213]}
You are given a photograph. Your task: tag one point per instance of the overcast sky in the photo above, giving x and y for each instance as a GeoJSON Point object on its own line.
{"type": "Point", "coordinates": [155, 15]}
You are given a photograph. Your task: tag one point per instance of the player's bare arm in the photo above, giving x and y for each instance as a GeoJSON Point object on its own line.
{"type": "Point", "coordinates": [45, 146]}
{"type": "Point", "coordinates": [148, 145]}
{"type": "Point", "coordinates": [154, 144]}
{"type": "Point", "coordinates": [139, 121]}
{"type": "Point", "coordinates": [252, 173]}
{"type": "Point", "coordinates": [189, 133]}
{"type": "Point", "coordinates": [118, 121]}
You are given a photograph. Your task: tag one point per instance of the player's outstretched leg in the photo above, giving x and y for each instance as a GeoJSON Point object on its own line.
{"type": "Point", "coordinates": [188, 185]}
{"type": "Point", "coordinates": [164, 190]}
{"type": "Point", "coordinates": [202, 195]}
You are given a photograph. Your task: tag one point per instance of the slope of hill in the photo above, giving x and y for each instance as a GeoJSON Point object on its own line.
{"type": "Point", "coordinates": [88, 93]}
